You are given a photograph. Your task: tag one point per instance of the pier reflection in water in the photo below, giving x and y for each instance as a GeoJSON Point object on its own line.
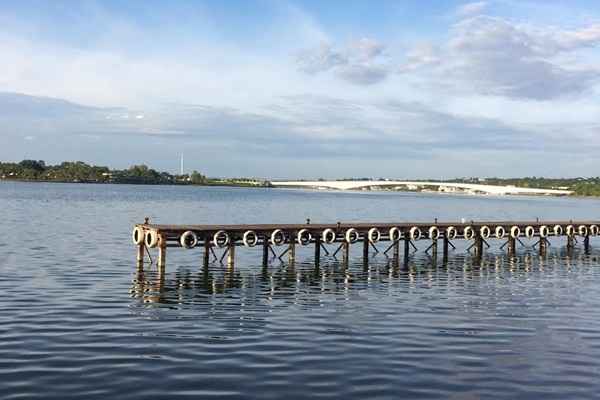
{"type": "Point", "coordinates": [302, 282]}
{"type": "Point", "coordinates": [499, 329]}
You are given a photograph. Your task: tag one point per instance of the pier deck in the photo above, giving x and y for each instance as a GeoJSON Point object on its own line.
{"type": "Point", "coordinates": [345, 234]}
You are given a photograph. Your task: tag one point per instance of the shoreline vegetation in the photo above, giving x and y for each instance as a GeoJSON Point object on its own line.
{"type": "Point", "coordinates": [81, 172]}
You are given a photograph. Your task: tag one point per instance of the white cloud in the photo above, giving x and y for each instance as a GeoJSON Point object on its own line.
{"type": "Point", "coordinates": [362, 62]}
{"type": "Point", "coordinates": [470, 9]}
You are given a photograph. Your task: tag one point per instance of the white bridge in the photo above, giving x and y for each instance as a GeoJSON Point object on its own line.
{"type": "Point", "coordinates": [471, 188]}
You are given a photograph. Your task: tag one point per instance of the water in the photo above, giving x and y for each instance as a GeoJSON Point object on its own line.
{"type": "Point", "coordinates": [78, 321]}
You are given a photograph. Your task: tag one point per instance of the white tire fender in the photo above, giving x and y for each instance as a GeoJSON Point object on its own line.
{"type": "Point", "coordinates": [515, 232]}
{"type": "Point", "coordinates": [221, 239]}
{"type": "Point", "coordinates": [415, 233]}
{"type": "Point", "coordinates": [151, 239]}
{"type": "Point", "coordinates": [529, 232]}
{"type": "Point", "coordinates": [468, 233]}
{"type": "Point", "coordinates": [250, 239]}
{"type": "Point", "coordinates": [137, 235]}
{"type": "Point", "coordinates": [500, 232]}
{"type": "Point", "coordinates": [351, 235]}
{"type": "Point", "coordinates": [188, 240]}
{"type": "Point", "coordinates": [451, 233]}
{"type": "Point", "coordinates": [374, 235]}
{"type": "Point", "coordinates": [485, 231]}
{"type": "Point", "coordinates": [303, 237]}
{"type": "Point", "coordinates": [395, 234]}
{"type": "Point", "coordinates": [328, 236]}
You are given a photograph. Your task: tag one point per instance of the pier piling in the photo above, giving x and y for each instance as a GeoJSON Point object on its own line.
{"type": "Point", "coordinates": [317, 250]}
{"type": "Point", "coordinates": [265, 251]}
{"type": "Point", "coordinates": [231, 254]}
{"type": "Point", "coordinates": [162, 251]}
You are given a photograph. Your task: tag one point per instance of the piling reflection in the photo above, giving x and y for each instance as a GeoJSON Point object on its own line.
{"type": "Point", "coordinates": [307, 282]}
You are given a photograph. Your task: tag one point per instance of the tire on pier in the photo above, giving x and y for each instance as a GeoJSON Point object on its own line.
{"type": "Point", "coordinates": [451, 233]}
{"type": "Point", "coordinates": [558, 230]}
{"type": "Point", "coordinates": [544, 231]}
{"type": "Point", "coordinates": [303, 237]}
{"type": "Point", "coordinates": [221, 239]}
{"type": "Point", "coordinates": [328, 236]}
{"type": "Point", "coordinates": [151, 239]}
{"type": "Point", "coordinates": [188, 240]}
{"type": "Point", "coordinates": [529, 232]}
{"type": "Point", "coordinates": [500, 232]}
{"type": "Point", "coordinates": [570, 230]}
{"type": "Point", "coordinates": [434, 233]}
{"type": "Point", "coordinates": [137, 235]}
{"type": "Point", "coordinates": [468, 233]}
{"type": "Point", "coordinates": [515, 232]}
{"type": "Point", "coordinates": [374, 235]}
{"type": "Point", "coordinates": [278, 237]}
{"type": "Point", "coordinates": [415, 233]}
{"type": "Point", "coordinates": [485, 232]}
{"type": "Point", "coordinates": [594, 230]}
{"type": "Point", "coordinates": [583, 230]}
{"type": "Point", "coordinates": [250, 238]}
{"type": "Point", "coordinates": [395, 234]}
{"type": "Point", "coordinates": [352, 235]}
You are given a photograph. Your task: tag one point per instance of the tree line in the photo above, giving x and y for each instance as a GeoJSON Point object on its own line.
{"type": "Point", "coordinates": [78, 171]}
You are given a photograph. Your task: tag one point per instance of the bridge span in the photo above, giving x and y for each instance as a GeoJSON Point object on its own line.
{"type": "Point", "coordinates": [471, 188]}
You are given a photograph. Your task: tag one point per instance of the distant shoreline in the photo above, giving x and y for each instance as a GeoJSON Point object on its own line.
{"type": "Point", "coordinates": [81, 172]}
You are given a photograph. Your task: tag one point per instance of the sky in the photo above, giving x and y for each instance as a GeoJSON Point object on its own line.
{"type": "Point", "coordinates": [305, 89]}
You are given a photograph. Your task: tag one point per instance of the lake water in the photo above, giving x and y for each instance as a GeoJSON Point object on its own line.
{"type": "Point", "coordinates": [77, 320]}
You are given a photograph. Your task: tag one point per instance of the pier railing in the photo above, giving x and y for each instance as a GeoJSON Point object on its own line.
{"type": "Point", "coordinates": [339, 237]}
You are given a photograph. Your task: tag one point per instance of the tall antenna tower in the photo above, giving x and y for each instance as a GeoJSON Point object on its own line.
{"type": "Point", "coordinates": [181, 166]}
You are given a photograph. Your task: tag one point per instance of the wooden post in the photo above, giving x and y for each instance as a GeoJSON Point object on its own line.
{"type": "Point", "coordinates": [265, 252]}
{"type": "Point", "coordinates": [206, 258]}
{"type": "Point", "coordinates": [406, 250]}
{"type": "Point", "coordinates": [140, 254]}
{"type": "Point", "coordinates": [570, 244]}
{"type": "Point", "coordinates": [292, 251]}
{"type": "Point", "coordinates": [586, 244]}
{"type": "Point", "coordinates": [434, 249]}
{"type": "Point", "coordinates": [512, 243]}
{"type": "Point", "coordinates": [231, 254]}
{"type": "Point", "coordinates": [542, 246]}
{"type": "Point", "coordinates": [445, 250]}
{"type": "Point", "coordinates": [162, 251]}
{"type": "Point", "coordinates": [317, 250]}
{"type": "Point", "coordinates": [365, 250]}
{"type": "Point", "coordinates": [478, 246]}
{"type": "Point", "coordinates": [345, 253]}
{"type": "Point", "coordinates": [397, 250]}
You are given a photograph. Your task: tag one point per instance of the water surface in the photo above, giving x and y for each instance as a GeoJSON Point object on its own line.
{"type": "Point", "coordinates": [77, 320]}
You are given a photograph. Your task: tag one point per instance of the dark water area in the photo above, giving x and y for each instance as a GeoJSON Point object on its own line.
{"type": "Point", "coordinates": [78, 320]}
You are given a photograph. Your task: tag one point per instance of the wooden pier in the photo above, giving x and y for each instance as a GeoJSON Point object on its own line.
{"type": "Point", "coordinates": [339, 237]}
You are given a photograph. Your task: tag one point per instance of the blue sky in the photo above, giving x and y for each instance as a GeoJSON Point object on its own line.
{"type": "Point", "coordinates": [304, 89]}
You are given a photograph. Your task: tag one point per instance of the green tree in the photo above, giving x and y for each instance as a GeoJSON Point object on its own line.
{"type": "Point", "coordinates": [196, 178]}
